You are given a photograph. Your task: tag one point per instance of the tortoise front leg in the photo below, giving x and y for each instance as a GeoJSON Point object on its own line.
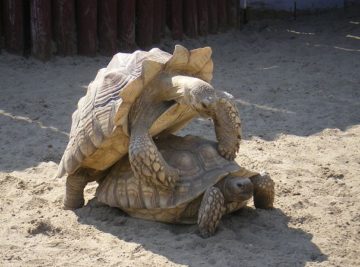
{"type": "Point", "coordinates": [211, 210]}
{"type": "Point", "coordinates": [264, 191]}
{"type": "Point", "coordinates": [202, 97]}
{"type": "Point", "coordinates": [227, 127]}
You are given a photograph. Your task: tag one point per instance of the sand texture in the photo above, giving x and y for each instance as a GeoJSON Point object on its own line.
{"type": "Point", "coordinates": [297, 86]}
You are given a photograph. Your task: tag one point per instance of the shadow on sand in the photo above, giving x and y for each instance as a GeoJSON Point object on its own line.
{"type": "Point", "coordinates": [248, 237]}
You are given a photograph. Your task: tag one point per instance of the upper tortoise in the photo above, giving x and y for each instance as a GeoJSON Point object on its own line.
{"type": "Point", "coordinates": [138, 96]}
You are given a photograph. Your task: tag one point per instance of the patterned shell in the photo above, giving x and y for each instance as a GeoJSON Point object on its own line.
{"type": "Point", "coordinates": [99, 134]}
{"type": "Point", "coordinates": [200, 165]}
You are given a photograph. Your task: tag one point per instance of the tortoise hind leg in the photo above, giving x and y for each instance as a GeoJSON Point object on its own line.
{"type": "Point", "coordinates": [75, 185]}
{"type": "Point", "coordinates": [211, 210]}
{"type": "Point", "coordinates": [145, 159]}
{"type": "Point", "coordinates": [74, 194]}
{"type": "Point", "coordinates": [148, 164]}
{"type": "Point", "coordinates": [264, 192]}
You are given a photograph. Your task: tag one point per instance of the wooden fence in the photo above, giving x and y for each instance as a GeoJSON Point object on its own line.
{"type": "Point", "coordinates": [43, 28]}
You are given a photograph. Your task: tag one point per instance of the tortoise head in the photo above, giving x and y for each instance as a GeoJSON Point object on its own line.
{"type": "Point", "coordinates": [236, 188]}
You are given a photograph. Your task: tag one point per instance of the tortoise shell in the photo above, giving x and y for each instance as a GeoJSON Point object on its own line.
{"type": "Point", "coordinates": [201, 166]}
{"type": "Point", "coordinates": [99, 135]}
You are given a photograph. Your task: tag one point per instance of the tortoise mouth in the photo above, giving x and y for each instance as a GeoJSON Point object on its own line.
{"type": "Point", "coordinates": [246, 195]}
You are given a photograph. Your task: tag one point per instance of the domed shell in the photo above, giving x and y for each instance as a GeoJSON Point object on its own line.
{"type": "Point", "coordinates": [99, 134]}
{"type": "Point", "coordinates": [200, 165]}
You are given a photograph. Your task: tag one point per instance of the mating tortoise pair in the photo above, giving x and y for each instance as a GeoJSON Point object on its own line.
{"type": "Point", "coordinates": [139, 96]}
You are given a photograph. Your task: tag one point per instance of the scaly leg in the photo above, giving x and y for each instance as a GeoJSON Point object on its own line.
{"type": "Point", "coordinates": [218, 105]}
{"type": "Point", "coordinates": [264, 191]}
{"type": "Point", "coordinates": [146, 161]}
{"type": "Point", "coordinates": [227, 127]}
{"type": "Point", "coordinates": [211, 210]}
{"type": "Point", "coordinates": [75, 185]}
{"type": "Point", "coordinates": [148, 164]}
{"type": "Point", "coordinates": [74, 194]}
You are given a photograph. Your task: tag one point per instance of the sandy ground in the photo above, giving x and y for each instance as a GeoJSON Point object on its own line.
{"type": "Point", "coordinates": [297, 84]}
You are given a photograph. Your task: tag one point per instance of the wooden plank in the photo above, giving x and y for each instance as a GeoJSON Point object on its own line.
{"type": "Point", "coordinates": [64, 27]}
{"type": "Point", "coordinates": [176, 19]}
{"type": "Point", "coordinates": [232, 12]}
{"type": "Point", "coordinates": [87, 27]}
{"type": "Point", "coordinates": [203, 17]}
{"type": "Point", "coordinates": [163, 20]}
{"type": "Point", "coordinates": [40, 22]}
{"type": "Point", "coordinates": [190, 18]}
{"type": "Point", "coordinates": [107, 13]}
{"type": "Point", "coordinates": [157, 20]}
{"type": "Point", "coordinates": [213, 16]}
{"type": "Point", "coordinates": [222, 16]}
{"type": "Point", "coordinates": [145, 21]}
{"type": "Point", "coordinates": [13, 26]}
{"type": "Point", "coordinates": [126, 24]}
{"type": "Point", "coordinates": [1, 26]}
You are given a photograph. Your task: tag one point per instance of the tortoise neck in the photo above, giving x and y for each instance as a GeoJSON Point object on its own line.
{"type": "Point", "coordinates": [177, 87]}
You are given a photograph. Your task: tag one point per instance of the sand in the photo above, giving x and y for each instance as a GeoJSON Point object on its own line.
{"type": "Point", "coordinates": [297, 85]}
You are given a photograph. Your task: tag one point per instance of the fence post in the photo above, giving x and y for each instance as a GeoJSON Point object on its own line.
{"type": "Point", "coordinates": [163, 21]}
{"type": "Point", "coordinates": [13, 26]}
{"type": "Point", "coordinates": [64, 27]}
{"type": "Point", "coordinates": [87, 27]}
{"type": "Point", "coordinates": [145, 21]}
{"type": "Point", "coordinates": [157, 20]}
{"type": "Point", "coordinates": [222, 16]}
{"type": "Point", "coordinates": [107, 12]}
{"type": "Point", "coordinates": [213, 16]}
{"type": "Point", "coordinates": [40, 21]}
{"type": "Point", "coordinates": [203, 17]}
{"type": "Point", "coordinates": [191, 21]}
{"type": "Point", "coordinates": [176, 19]}
{"type": "Point", "coordinates": [126, 24]}
{"type": "Point", "coordinates": [1, 26]}
{"type": "Point", "coordinates": [232, 12]}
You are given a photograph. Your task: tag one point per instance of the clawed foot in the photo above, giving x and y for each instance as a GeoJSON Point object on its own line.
{"type": "Point", "coordinates": [264, 191]}
{"type": "Point", "coordinates": [148, 164]}
{"type": "Point", "coordinates": [228, 151]}
{"type": "Point", "coordinates": [227, 128]}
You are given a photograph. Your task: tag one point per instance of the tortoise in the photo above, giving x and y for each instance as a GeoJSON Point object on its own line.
{"type": "Point", "coordinates": [138, 96]}
{"type": "Point", "coordinates": [209, 186]}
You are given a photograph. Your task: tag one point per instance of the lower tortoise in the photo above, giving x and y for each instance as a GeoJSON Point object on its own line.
{"type": "Point", "coordinates": [209, 186]}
